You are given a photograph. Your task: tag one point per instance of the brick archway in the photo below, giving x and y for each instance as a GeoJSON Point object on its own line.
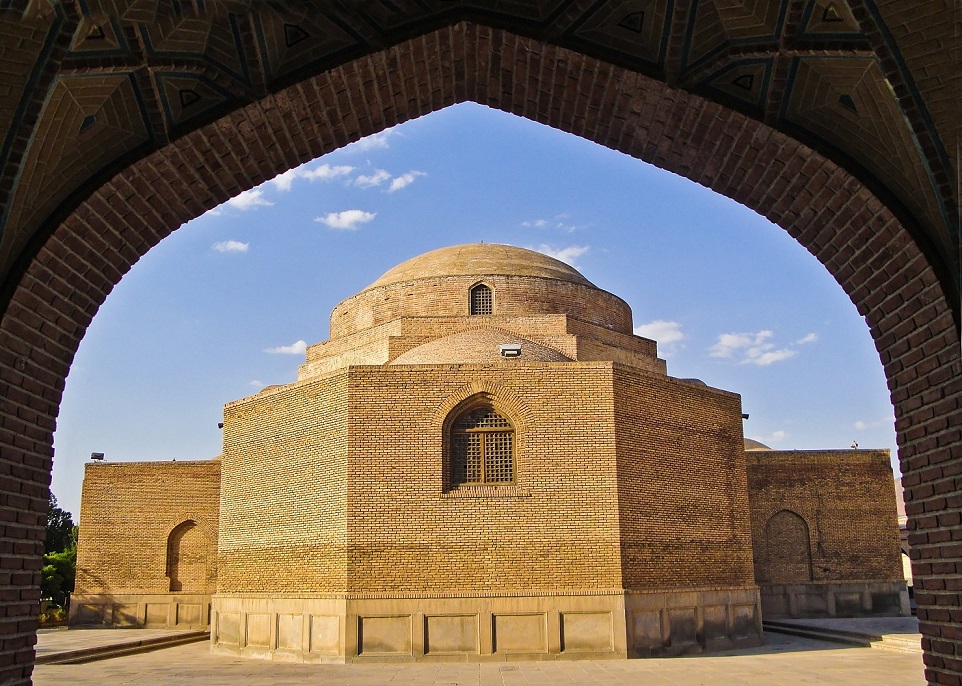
{"type": "Point", "coordinates": [850, 230]}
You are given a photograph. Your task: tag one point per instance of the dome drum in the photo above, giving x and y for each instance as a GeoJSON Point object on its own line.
{"type": "Point", "coordinates": [449, 296]}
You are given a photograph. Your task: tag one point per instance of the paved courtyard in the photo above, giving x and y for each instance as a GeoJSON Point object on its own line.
{"type": "Point", "coordinates": [782, 660]}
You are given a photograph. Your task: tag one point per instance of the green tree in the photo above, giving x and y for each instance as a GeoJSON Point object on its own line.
{"type": "Point", "coordinates": [60, 526]}
{"type": "Point", "coordinates": [60, 560]}
{"type": "Point", "coordinates": [58, 575]}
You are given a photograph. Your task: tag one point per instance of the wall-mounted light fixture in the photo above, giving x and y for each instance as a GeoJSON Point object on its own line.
{"type": "Point", "coordinates": [510, 350]}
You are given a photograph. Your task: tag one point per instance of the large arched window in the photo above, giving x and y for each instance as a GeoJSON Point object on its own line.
{"type": "Point", "coordinates": [482, 448]}
{"type": "Point", "coordinates": [482, 300]}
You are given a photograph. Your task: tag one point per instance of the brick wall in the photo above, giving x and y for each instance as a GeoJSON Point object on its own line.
{"type": "Point", "coordinates": [556, 529]}
{"type": "Point", "coordinates": [681, 472]}
{"type": "Point", "coordinates": [846, 499]}
{"type": "Point", "coordinates": [128, 512]}
{"type": "Point", "coordinates": [851, 230]}
{"type": "Point", "coordinates": [284, 491]}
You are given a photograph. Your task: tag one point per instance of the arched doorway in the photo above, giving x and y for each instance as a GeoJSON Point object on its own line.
{"type": "Point", "coordinates": [861, 238]}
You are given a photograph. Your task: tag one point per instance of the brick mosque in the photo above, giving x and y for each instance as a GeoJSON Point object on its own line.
{"type": "Point", "coordinates": [484, 462]}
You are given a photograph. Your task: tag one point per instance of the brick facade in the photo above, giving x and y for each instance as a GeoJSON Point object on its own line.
{"type": "Point", "coordinates": [825, 532]}
{"type": "Point", "coordinates": [144, 557]}
{"type": "Point", "coordinates": [625, 528]}
{"type": "Point", "coordinates": [856, 227]}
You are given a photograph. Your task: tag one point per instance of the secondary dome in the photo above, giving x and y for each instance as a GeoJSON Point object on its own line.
{"type": "Point", "coordinates": [481, 259]}
{"type": "Point", "coordinates": [478, 346]}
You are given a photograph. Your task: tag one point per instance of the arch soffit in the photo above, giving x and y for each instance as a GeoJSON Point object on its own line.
{"type": "Point", "coordinates": [775, 175]}
{"type": "Point", "coordinates": [868, 251]}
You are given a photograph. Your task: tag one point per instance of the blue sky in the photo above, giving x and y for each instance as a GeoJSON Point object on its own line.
{"type": "Point", "coordinates": [226, 304]}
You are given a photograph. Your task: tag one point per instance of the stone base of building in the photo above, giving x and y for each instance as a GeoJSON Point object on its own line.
{"type": "Point", "coordinates": [477, 629]}
{"type": "Point", "coordinates": [169, 610]}
{"type": "Point", "coordinates": [823, 599]}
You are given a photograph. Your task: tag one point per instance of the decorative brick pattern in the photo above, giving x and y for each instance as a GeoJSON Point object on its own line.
{"type": "Point", "coordinates": [845, 225]}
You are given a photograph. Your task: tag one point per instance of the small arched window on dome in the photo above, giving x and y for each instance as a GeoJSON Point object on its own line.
{"type": "Point", "coordinates": [482, 448]}
{"type": "Point", "coordinates": [482, 300]}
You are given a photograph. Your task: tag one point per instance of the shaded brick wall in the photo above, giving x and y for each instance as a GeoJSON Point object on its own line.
{"type": "Point", "coordinates": [284, 491]}
{"type": "Point", "coordinates": [847, 501]}
{"type": "Point", "coordinates": [127, 513]}
{"type": "Point", "coordinates": [681, 472]}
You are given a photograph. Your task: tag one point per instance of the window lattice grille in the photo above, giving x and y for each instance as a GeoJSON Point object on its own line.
{"type": "Point", "coordinates": [482, 448]}
{"type": "Point", "coordinates": [481, 300]}
{"type": "Point", "coordinates": [498, 462]}
{"type": "Point", "coordinates": [483, 418]}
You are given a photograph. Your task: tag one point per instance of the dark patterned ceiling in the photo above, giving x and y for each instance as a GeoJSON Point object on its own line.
{"type": "Point", "coordinates": [87, 87]}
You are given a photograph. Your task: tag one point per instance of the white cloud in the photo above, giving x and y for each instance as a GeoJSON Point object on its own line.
{"type": "Point", "coordinates": [661, 331]}
{"type": "Point", "coordinates": [777, 437]}
{"type": "Point", "coordinates": [876, 424]}
{"type": "Point", "coordinates": [403, 180]}
{"type": "Point", "coordinates": [298, 348]}
{"type": "Point", "coordinates": [667, 334]}
{"type": "Point", "coordinates": [808, 338]}
{"type": "Point", "coordinates": [371, 180]}
{"type": "Point", "coordinates": [729, 343]}
{"type": "Point", "coordinates": [348, 220]}
{"type": "Point", "coordinates": [753, 348]}
{"type": "Point", "coordinates": [248, 200]}
{"type": "Point", "coordinates": [763, 359]}
{"type": "Point", "coordinates": [567, 255]}
{"type": "Point", "coordinates": [535, 223]}
{"type": "Point", "coordinates": [377, 141]}
{"type": "Point", "coordinates": [326, 172]}
{"type": "Point", "coordinates": [283, 182]}
{"type": "Point", "coordinates": [256, 383]}
{"type": "Point", "coordinates": [557, 222]}
{"type": "Point", "coordinates": [231, 246]}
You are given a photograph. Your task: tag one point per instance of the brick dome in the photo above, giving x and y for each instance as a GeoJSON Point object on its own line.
{"type": "Point", "coordinates": [478, 346]}
{"type": "Point", "coordinates": [439, 283]}
{"type": "Point", "coordinates": [481, 259]}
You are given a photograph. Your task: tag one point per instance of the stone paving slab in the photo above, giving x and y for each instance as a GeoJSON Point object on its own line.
{"type": "Point", "coordinates": [781, 660]}
{"type": "Point", "coordinates": [873, 626]}
{"type": "Point", "coordinates": [64, 640]}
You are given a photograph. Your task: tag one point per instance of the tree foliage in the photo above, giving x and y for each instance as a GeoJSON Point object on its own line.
{"type": "Point", "coordinates": [60, 560]}
{"type": "Point", "coordinates": [60, 526]}
{"type": "Point", "coordinates": [58, 575]}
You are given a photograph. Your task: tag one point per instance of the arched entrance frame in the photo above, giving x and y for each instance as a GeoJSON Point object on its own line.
{"type": "Point", "coordinates": [831, 213]}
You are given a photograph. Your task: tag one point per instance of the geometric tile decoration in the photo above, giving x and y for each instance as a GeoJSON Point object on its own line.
{"type": "Point", "coordinates": [826, 18]}
{"type": "Point", "coordinates": [88, 121]}
{"type": "Point", "coordinates": [847, 103]}
{"type": "Point", "coordinates": [101, 37]}
{"type": "Point", "coordinates": [746, 81]}
{"type": "Point", "coordinates": [185, 96]}
{"type": "Point", "coordinates": [636, 28]}
{"type": "Point", "coordinates": [716, 27]}
{"type": "Point", "coordinates": [298, 37]}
